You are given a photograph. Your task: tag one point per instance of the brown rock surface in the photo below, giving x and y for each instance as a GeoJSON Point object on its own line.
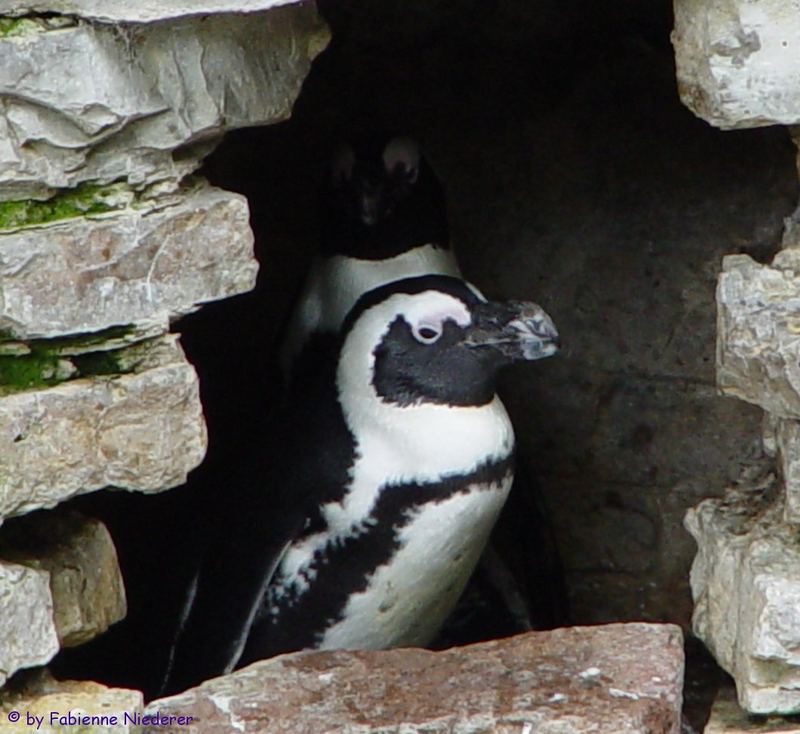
{"type": "Point", "coordinates": [727, 717]}
{"type": "Point", "coordinates": [610, 679]}
{"type": "Point", "coordinates": [85, 579]}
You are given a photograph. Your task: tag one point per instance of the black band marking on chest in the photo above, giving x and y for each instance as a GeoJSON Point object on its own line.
{"type": "Point", "coordinates": [345, 567]}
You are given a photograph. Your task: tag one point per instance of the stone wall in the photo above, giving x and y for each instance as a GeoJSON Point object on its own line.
{"type": "Point", "coordinates": [107, 236]}
{"type": "Point", "coordinates": [737, 67]}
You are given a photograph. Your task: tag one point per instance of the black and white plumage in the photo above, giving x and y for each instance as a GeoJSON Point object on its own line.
{"type": "Point", "coordinates": [364, 523]}
{"type": "Point", "coordinates": [382, 218]}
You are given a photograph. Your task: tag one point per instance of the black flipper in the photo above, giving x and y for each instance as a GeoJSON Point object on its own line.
{"type": "Point", "coordinates": [260, 506]}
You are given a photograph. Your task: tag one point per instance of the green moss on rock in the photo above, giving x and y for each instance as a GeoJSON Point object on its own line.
{"type": "Point", "coordinates": [53, 361]}
{"type": "Point", "coordinates": [10, 27]}
{"type": "Point", "coordinates": [29, 24]}
{"type": "Point", "coordinates": [31, 371]}
{"type": "Point", "coordinates": [84, 200]}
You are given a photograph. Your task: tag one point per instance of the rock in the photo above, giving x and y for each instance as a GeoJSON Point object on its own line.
{"type": "Point", "coordinates": [788, 441]}
{"type": "Point", "coordinates": [85, 579]}
{"type": "Point", "coordinates": [140, 431]}
{"type": "Point", "coordinates": [143, 101]}
{"type": "Point", "coordinates": [617, 678]}
{"type": "Point", "coordinates": [758, 331]}
{"type": "Point", "coordinates": [85, 275]}
{"type": "Point", "coordinates": [769, 434]}
{"type": "Point", "coordinates": [727, 717]}
{"type": "Point", "coordinates": [48, 703]}
{"type": "Point", "coordinates": [27, 634]}
{"type": "Point", "coordinates": [746, 587]}
{"type": "Point", "coordinates": [143, 11]}
{"type": "Point", "coordinates": [736, 61]}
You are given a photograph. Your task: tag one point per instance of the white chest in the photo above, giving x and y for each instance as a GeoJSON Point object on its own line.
{"type": "Point", "coordinates": [408, 599]}
{"type": "Point", "coordinates": [437, 544]}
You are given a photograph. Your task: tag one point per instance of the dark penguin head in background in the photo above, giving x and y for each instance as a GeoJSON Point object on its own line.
{"type": "Point", "coordinates": [374, 183]}
{"type": "Point", "coordinates": [380, 198]}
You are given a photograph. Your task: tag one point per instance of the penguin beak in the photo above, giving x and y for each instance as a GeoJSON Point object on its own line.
{"type": "Point", "coordinates": [369, 203]}
{"type": "Point", "coordinates": [514, 330]}
{"type": "Point", "coordinates": [369, 213]}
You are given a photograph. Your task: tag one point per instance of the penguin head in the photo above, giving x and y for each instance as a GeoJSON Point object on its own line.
{"type": "Point", "coordinates": [436, 340]}
{"type": "Point", "coordinates": [371, 185]}
{"type": "Point", "coordinates": [380, 198]}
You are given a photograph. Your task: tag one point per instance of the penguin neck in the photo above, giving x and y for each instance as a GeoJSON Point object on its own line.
{"type": "Point", "coordinates": [430, 440]}
{"type": "Point", "coordinates": [415, 222]}
{"type": "Point", "coordinates": [377, 243]}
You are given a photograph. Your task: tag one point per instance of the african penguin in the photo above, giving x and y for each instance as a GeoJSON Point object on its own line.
{"type": "Point", "coordinates": [362, 526]}
{"type": "Point", "coordinates": [382, 217]}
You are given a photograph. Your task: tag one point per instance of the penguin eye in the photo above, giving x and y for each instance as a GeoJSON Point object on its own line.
{"type": "Point", "coordinates": [401, 159]}
{"type": "Point", "coordinates": [427, 333]}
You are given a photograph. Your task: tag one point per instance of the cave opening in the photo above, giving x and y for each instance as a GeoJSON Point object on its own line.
{"type": "Point", "coordinates": [574, 178]}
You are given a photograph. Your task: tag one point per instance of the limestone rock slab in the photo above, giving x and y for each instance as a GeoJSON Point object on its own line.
{"type": "Point", "coordinates": [737, 61]}
{"type": "Point", "coordinates": [39, 696]}
{"type": "Point", "coordinates": [758, 331]}
{"type": "Point", "coordinates": [86, 275]}
{"type": "Point", "coordinates": [115, 101]}
{"type": "Point", "coordinates": [140, 431]}
{"type": "Point", "coordinates": [769, 434]}
{"type": "Point", "coordinates": [788, 441]}
{"type": "Point", "coordinates": [142, 11]}
{"type": "Point", "coordinates": [746, 586]}
{"type": "Point", "coordinates": [27, 633]}
{"type": "Point", "coordinates": [617, 678]}
{"type": "Point", "coordinates": [85, 578]}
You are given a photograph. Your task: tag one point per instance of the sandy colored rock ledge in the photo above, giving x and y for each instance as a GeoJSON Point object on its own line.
{"type": "Point", "coordinates": [621, 678]}
{"type": "Point", "coordinates": [27, 633]}
{"type": "Point", "coordinates": [746, 587]}
{"type": "Point", "coordinates": [140, 431]}
{"type": "Point", "coordinates": [737, 61]}
{"type": "Point", "coordinates": [39, 695]}
{"type": "Point", "coordinates": [727, 717]}
{"type": "Point", "coordinates": [143, 102]}
{"type": "Point", "coordinates": [79, 555]}
{"type": "Point", "coordinates": [86, 275]}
